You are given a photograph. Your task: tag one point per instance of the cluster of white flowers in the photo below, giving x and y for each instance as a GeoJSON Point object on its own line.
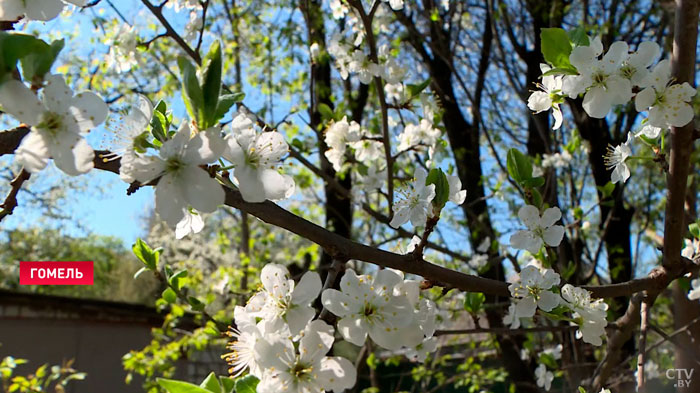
{"type": "Point", "coordinates": [556, 160]}
{"type": "Point", "coordinates": [341, 135]}
{"type": "Point", "coordinates": [58, 122]}
{"type": "Point", "coordinates": [692, 252]}
{"type": "Point", "coordinates": [386, 308]}
{"type": "Point", "coordinates": [423, 134]}
{"type": "Point", "coordinates": [123, 49]}
{"type": "Point", "coordinates": [544, 377]}
{"type": "Point", "coordinates": [611, 80]}
{"type": "Point", "coordinates": [185, 188]}
{"type": "Point", "coordinates": [44, 10]}
{"type": "Point", "coordinates": [593, 313]}
{"type": "Point", "coordinates": [415, 206]}
{"type": "Point", "coordinates": [535, 287]}
{"type": "Point", "coordinates": [349, 60]}
{"type": "Point", "coordinates": [277, 339]}
{"type": "Point", "coordinates": [540, 229]}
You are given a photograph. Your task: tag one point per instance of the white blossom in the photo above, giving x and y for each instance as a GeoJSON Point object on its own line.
{"type": "Point", "coordinates": [44, 10]}
{"type": "Point", "coordinates": [635, 67]}
{"type": "Point", "coordinates": [668, 104]}
{"type": "Point", "coordinates": [127, 133]}
{"type": "Point", "coordinates": [191, 222]}
{"type": "Point", "coordinates": [123, 49]}
{"type": "Point", "coordinates": [247, 334]}
{"type": "Point", "coordinates": [540, 229]}
{"type": "Point", "coordinates": [456, 193]}
{"type": "Point", "coordinates": [544, 377]}
{"type": "Point", "coordinates": [416, 203]}
{"type": "Point", "coordinates": [309, 370]}
{"type": "Point", "coordinates": [592, 312]}
{"type": "Point", "coordinates": [649, 131]}
{"type": "Point", "coordinates": [694, 293]}
{"type": "Point", "coordinates": [256, 157]}
{"type": "Point", "coordinates": [281, 300]}
{"type": "Point", "coordinates": [533, 290]}
{"type": "Point", "coordinates": [366, 305]}
{"type": "Point", "coordinates": [691, 249]}
{"type": "Point", "coordinates": [395, 4]}
{"type": "Point", "coordinates": [599, 79]}
{"type": "Point", "coordinates": [556, 160]}
{"type": "Point", "coordinates": [57, 122]}
{"type": "Point", "coordinates": [338, 136]}
{"type": "Point", "coordinates": [615, 159]}
{"type": "Point", "coordinates": [548, 97]}
{"type": "Point", "coordinates": [422, 134]}
{"type": "Point", "coordinates": [182, 182]}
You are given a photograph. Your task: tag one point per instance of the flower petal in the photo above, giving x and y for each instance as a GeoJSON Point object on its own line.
{"type": "Point", "coordinates": [200, 190]}
{"type": "Point", "coordinates": [33, 153]}
{"type": "Point", "coordinates": [20, 102]}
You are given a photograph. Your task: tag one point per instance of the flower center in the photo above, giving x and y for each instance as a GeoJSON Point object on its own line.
{"type": "Point", "coordinates": [51, 122]}
{"type": "Point", "coordinates": [174, 165]}
{"type": "Point", "coordinates": [301, 371]}
{"type": "Point", "coordinates": [627, 71]}
{"type": "Point", "coordinates": [599, 78]}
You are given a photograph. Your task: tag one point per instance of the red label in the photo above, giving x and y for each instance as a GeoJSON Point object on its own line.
{"type": "Point", "coordinates": [56, 273]}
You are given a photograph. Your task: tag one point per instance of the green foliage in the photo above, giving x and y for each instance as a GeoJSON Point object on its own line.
{"type": "Point", "coordinates": [145, 254]}
{"type": "Point", "coordinates": [44, 379]}
{"type": "Point", "coordinates": [474, 302]}
{"type": "Point", "coordinates": [442, 187]}
{"type": "Point", "coordinates": [415, 90]}
{"type": "Point", "coordinates": [211, 85]}
{"type": "Point", "coordinates": [556, 48]}
{"type": "Point", "coordinates": [174, 386]}
{"type": "Point", "coordinates": [192, 93]}
{"type": "Point", "coordinates": [35, 55]}
{"type": "Point", "coordinates": [201, 94]}
{"type": "Point", "coordinates": [519, 166]}
{"type": "Point", "coordinates": [246, 384]}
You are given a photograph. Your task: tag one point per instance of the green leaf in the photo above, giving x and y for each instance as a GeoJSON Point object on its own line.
{"type": "Point", "coordinates": [246, 384]}
{"type": "Point", "coordinates": [227, 384]}
{"type": "Point", "coordinates": [607, 189]}
{"type": "Point", "coordinates": [474, 301]}
{"type": "Point", "coordinates": [145, 254]}
{"type": "Point", "coordinates": [195, 303]}
{"type": "Point", "coordinates": [533, 182]}
{"type": "Point", "coordinates": [191, 91]}
{"type": "Point", "coordinates": [578, 37]}
{"type": "Point", "coordinates": [174, 280]}
{"type": "Point", "coordinates": [694, 229]}
{"type": "Point", "coordinates": [519, 166]}
{"type": "Point", "coordinates": [14, 46]}
{"type": "Point", "coordinates": [326, 112]}
{"type": "Point", "coordinates": [226, 101]}
{"type": "Point", "coordinates": [37, 63]}
{"type": "Point", "coordinates": [174, 386]}
{"type": "Point", "coordinates": [442, 187]}
{"type": "Point", "coordinates": [159, 122]}
{"type": "Point", "coordinates": [570, 70]}
{"type": "Point", "coordinates": [556, 47]}
{"type": "Point", "coordinates": [415, 90]}
{"type": "Point", "coordinates": [169, 295]}
{"type": "Point", "coordinates": [548, 360]}
{"type": "Point", "coordinates": [211, 383]}
{"type": "Point", "coordinates": [581, 389]}
{"type": "Point", "coordinates": [211, 84]}
{"type": "Point", "coordinates": [536, 197]}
